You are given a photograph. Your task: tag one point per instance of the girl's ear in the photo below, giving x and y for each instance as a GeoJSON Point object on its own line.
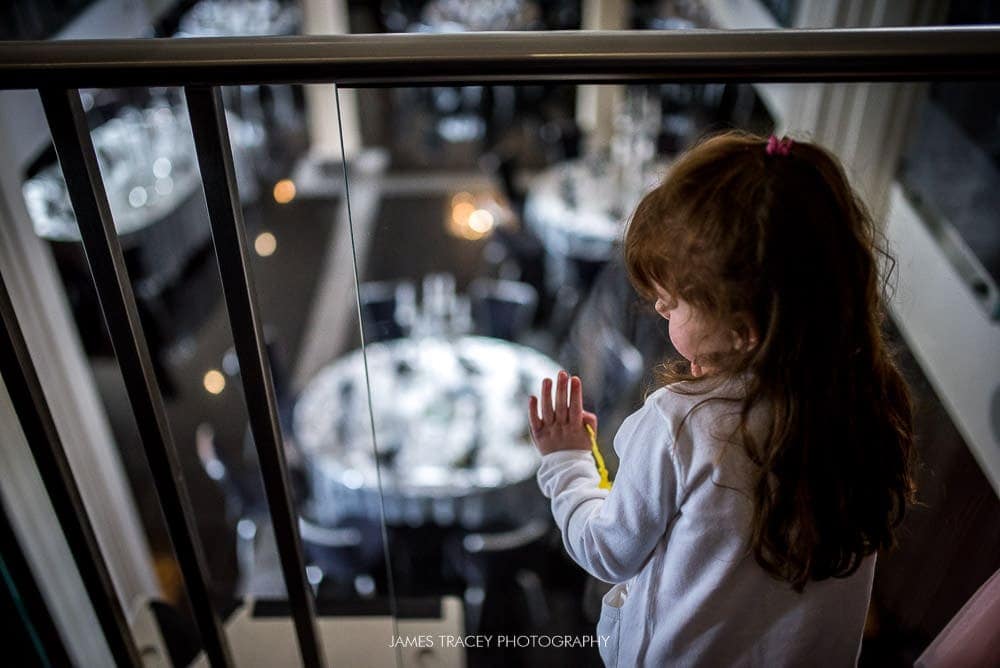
{"type": "Point", "coordinates": [745, 337]}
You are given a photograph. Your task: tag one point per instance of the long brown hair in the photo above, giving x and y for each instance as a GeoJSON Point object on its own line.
{"type": "Point", "coordinates": [781, 242]}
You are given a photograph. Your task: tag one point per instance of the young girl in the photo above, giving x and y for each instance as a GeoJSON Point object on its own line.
{"type": "Point", "coordinates": [755, 487]}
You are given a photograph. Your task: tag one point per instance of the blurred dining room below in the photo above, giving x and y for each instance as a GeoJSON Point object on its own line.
{"type": "Point", "coordinates": [424, 256]}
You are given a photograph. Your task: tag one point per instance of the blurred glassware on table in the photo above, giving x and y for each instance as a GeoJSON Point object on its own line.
{"type": "Point", "coordinates": [473, 15]}
{"type": "Point", "coordinates": [234, 18]}
{"type": "Point", "coordinates": [578, 207]}
{"type": "Point", "coordinates": [149, 166]}
{"type": "Point", "coordinates": [221, 18]}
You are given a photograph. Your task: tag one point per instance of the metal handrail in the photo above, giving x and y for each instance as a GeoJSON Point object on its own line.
{"type": "Point", "coordinates": [876, 54]}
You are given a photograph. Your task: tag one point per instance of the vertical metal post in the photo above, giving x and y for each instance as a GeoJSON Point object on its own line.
{"type": "Point", "coordinates": [16, 575]}
{"type": "Point", "coordinates": [25, 391]}
{"type": "Point", "coordinates": [75, 150]}
{"type": "Point", "coordinates": [215, 158]}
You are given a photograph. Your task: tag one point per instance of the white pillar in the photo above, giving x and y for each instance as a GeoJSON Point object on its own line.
{"type": "Point", "coordinates": [865, 124]}
{"type": "Point", "coordinates": [596, 105]}
{"type": "Point", "coordinates": [329, 17]}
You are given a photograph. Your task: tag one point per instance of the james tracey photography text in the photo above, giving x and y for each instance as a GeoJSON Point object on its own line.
{"type": "Point", "coordinates": [482, 640]}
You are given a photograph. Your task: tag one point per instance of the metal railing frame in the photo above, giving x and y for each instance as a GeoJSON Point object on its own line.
{"type": "Point", "coordinates": [59, 69]}
{"type": "Point", "coordinates": [871, 54]}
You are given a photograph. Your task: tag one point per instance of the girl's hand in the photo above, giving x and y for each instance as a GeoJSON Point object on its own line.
{"type": "Point", "coordinates": [560, 427]}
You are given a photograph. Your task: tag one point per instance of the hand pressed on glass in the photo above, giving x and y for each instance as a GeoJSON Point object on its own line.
{"type": "Point", "coordinates": [562, 426]}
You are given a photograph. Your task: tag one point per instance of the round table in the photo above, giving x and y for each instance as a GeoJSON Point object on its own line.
{"type": "Point", "coordinates": [578, 208]}
{"type": "Point", "coordinates": [451, 429]}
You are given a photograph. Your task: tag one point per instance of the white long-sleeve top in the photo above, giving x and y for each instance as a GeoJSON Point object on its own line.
{"type": "Point", "coordinates": [672, 536]}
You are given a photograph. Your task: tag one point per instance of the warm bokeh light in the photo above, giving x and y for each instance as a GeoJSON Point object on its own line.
{"type": "Point", "coordinates": [214, 381]}
{"type": "Point", "coordinates": [461, 197]}
{"type": "Point", "coordinates": [265, 244]}
{"type": "Point", "coordinates": [460, 212]}
{"type": "Point", "coordinates": [481, 221]}
{"type": "Point", "coordinates": [284, 191]}
{"type": "Point", "coordinates": [474, 217]}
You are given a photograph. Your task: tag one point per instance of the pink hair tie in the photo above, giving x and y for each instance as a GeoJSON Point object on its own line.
{"type": "Point", "coordinates": [777, 146]}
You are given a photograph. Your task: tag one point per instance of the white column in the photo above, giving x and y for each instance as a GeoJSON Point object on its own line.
{"type": "Point", "coordinates": [329, 17]}
{"type": "Point", "coordinates": [596, 105]}
{"type": "Point", "coordinates": [865, 124]}
{"type": "Point", "coordinates": [44, 546]}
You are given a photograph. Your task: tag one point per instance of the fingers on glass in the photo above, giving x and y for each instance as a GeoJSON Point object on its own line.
{"type": "Point", "coordinates": [562, 398]}
{"type": "Point", "coordinates": [533, 419]}
{"type": "Point", "coordinates": [568, 404]}
{"type": "Point", "coordinates": [547, 413]}
{"type": "Point", "coordinates": [575, 400]}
